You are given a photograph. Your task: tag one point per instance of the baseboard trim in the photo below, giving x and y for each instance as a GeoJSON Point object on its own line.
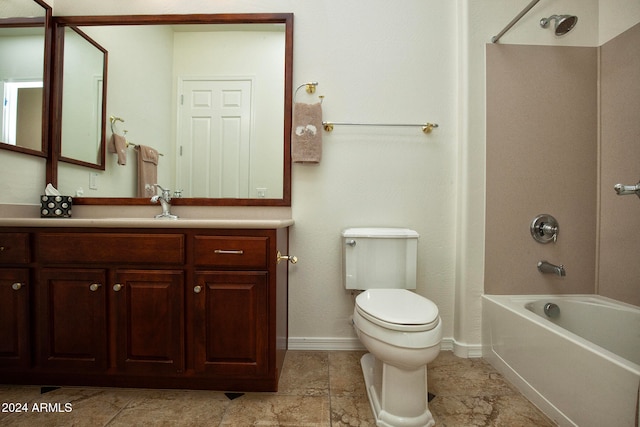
{"type": "Point", "coordinates": [353, 344]}
{"type": "Point", "coordinates": [324, 344]}
{"type": "Point", "coordinates": [467, 351]}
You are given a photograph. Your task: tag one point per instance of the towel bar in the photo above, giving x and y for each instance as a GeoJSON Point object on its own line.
{"type": "Point", "coordinates": [426, 127]}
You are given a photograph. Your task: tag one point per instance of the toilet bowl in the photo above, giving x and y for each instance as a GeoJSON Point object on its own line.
{"type": "Point", "coordinates": [402, 331]}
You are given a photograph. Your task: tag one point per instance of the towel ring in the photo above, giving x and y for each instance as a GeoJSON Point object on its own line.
{"type": "Point", "coordinates": [310, 88]}
{"type": "Point", "coordinates": [113, 121]}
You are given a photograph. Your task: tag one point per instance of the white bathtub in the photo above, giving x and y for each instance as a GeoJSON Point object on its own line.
{"type": "Point", "coordinates": [585, 375]}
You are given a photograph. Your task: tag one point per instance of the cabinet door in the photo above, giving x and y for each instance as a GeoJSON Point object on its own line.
{"type": "Point", "coordinates": [72, 325]}
{"type": "Point", "coordinates": [14, 318]}
{"type": "Point", "coordinates": [230, 325]}
{"type": "Point", "coordinates": [149, 315]}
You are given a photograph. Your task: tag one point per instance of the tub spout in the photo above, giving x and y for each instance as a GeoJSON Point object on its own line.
{"type": "Point", "coordinates": [548, 268]}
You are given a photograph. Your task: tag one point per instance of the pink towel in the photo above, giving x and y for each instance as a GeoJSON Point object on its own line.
{"type": "Point", "coordinates": [147, 171]}
{"type": "Point", "coordinates": [118, 144]}
{"type": "Point", "coordinates": [306, 135]}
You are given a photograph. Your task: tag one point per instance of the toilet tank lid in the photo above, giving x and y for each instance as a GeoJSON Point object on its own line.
{"type": "Point", "coordinates": [381, 233]}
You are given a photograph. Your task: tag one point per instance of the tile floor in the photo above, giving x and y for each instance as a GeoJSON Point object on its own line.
{"type": "Point", "coordinates": [317, 388]}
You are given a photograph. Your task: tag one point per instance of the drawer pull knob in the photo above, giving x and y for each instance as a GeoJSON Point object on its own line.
{"type": "Point", "coordinates": [16, 286]}
{"type": "Point", "coordinates": [197, 289]}
{"type": "Point", "coordinates": [228, 252]}
{"type": "Point", "coordinates": [117, 287]}
{"type": "Point", "coordinates": [291, 258]}
{"type": "Point", "coordinates": [2, 248]}
{"type": "Point", "coordinates": [94, 287]}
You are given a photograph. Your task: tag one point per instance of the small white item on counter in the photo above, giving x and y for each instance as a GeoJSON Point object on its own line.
{"type": "Point", "coordinates": [50, 190]}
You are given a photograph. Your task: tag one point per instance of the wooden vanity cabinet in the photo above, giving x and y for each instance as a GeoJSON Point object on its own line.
{"type": "Point", "coordinates": [15, 288]}
{"type": "Point", "coordinates": [237, 307]}
{"type": "Point", "coordinates": [163, 308]}
{"type": "Point", "coordinates": [14, 318]}
{"type": "Point", "coordinates": [148, 310]}
{"type": "Point", "coordinates": [71, 320]}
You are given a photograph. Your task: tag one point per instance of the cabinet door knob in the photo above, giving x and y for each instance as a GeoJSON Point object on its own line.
{"type": "Point", "coordinates": [291, 258]}
{"type": "Point", "coordinates": [16, 286]}
{"type": "Point", "coordinates": [94, 287]}
{"type": "Point", "coordinates": [197, 289]}
{"type": "Point", "coordinates": [117, 287]}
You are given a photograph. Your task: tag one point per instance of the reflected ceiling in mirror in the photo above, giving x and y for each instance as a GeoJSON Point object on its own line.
{"type": "Point", "coordinates": [23, 47]}
{"type": "Point", "coordinates": [210, 94]}
{"type": "Point", "coordinates": [22, 9]}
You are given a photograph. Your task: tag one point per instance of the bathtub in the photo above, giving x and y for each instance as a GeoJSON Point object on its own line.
{"type": "Point", "coordinates": [581, 368]}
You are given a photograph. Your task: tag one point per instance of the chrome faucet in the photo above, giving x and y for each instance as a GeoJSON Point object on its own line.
{"type": "Point", "coordinates": [165, 202]}
{"type": "Point", "coordinates": [548, 268]}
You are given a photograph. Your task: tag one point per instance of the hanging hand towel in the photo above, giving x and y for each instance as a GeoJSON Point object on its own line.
{"type": "Point", "coordinates": [118, 144]}
{"type": "Point", "coordinates": [306, 135]}
{"type": "Point", "coordinates": [147, 171]}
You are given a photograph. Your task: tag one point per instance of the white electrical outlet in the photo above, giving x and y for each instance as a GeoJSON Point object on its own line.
{"type": "Point", "coordinates": [93, 180]}
{"type": "Point", "coordinates": [261, 193]}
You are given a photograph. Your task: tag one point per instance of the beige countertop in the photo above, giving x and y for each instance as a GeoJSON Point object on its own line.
{"type": "Point", "coordinates": [143, 217]}
{"type": "Point", "coordinates": [146, 223]}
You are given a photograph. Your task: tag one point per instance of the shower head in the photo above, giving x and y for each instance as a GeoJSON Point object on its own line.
{"type": "Point", "coordinates": [564, 23]}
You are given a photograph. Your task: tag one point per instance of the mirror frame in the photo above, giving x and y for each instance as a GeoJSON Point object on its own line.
{"type": "Point", "coordinates": [45, 22]}
{"type": "Point", "coordinates": [250, 18]}
{"type": "Point", "coordinates": [57, 124]}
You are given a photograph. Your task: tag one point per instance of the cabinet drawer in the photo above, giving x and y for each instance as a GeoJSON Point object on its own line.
{"type": "Point", "coordinates": [14, 248]}
{"type": "Point", "coordinates": [110, 248]}
{"type": "Point", "coordinates": [231, 251]}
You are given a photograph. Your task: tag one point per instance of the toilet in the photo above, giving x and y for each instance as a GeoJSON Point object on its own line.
{"type": "Point", "coordinates": [400, 329]}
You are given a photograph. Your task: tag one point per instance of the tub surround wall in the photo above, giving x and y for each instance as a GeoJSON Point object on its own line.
{"type": "Point", "coordinates": [619, 272]}
{"type": "Point", "coordinates": [541, 158]}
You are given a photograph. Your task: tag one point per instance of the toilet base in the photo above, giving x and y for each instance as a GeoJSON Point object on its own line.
{"type": "Point", "coordinates": [398, 397]}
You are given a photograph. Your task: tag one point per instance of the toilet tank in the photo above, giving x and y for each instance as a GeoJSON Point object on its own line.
{"type": "Point", "coordinates": [379, 258]}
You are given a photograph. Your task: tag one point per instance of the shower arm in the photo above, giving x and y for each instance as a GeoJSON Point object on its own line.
{"type": "Point", "coordinates": [495, 38]}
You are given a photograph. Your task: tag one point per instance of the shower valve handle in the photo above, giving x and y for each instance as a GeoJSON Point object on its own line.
{"type": "Point", "coordinates": [623, 190]}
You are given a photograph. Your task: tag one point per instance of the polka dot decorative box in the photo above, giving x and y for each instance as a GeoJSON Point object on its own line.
{"type": "Point", "coordinates": [55, 206]}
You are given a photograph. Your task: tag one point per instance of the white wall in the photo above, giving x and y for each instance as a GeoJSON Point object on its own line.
{"type": "Point", "coordinates": [616, 16]}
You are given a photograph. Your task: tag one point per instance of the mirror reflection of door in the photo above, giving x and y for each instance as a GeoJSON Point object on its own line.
{"type": "Point", "coordinates": [214, 138]}
{"type": "Point", "coordinates": [22, 114]}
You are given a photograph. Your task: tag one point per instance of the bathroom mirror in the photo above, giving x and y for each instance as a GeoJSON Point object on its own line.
{"type": "Point", "coordinates": [24, 43]}
{"type": "Point", "coordinates": [83, 83]}
{"type": "Point", "coordinates": [161, 70]}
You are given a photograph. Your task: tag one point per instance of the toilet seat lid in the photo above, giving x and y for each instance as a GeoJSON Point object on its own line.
{"type": "Point", "coordinates": [398, 307]}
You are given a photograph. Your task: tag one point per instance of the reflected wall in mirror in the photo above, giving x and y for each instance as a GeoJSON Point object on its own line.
{"type": "Point", "coordinates": [23, 53]}
{"type": "Point", "coordinates": [210, 94]}
{"type": "Point", "coordinates": [83, 117]}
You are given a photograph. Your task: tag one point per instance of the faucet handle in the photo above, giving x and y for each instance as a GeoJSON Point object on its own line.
{"type": "Point", "coordinates": [166, 193]}
{"type": "Point", "coordinates": [623, 190]}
